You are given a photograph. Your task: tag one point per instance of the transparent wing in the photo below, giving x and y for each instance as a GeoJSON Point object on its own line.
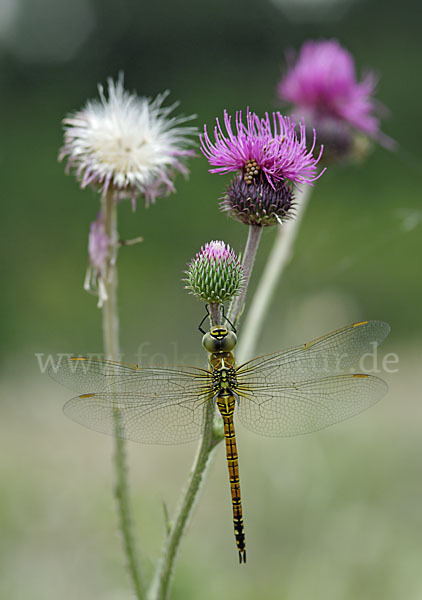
{"type": "Point", "coordinates": [299, 408]}
{"type": "Point", "coordinates": [149, 405]}
{"type": "Point", "coordinates": [332, 354]}
{"type": "Point", "coordinates": [91, 375]}
{"type": "Point", "coordinates": [141, 419]}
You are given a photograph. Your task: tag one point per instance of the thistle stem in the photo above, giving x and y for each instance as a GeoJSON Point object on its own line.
{"type": "Point", "coordinates": [112, 351]}
{"type": "Point", "coordinates": [160, 586]}
{"type": "Point", "coordinates": [215, 313]}
{"type": "Point", "coordinates": [252, 243]}
{"type": "Point", "coordinates": [110, 312]}
{"type": "Point", "coordinates": [278, 259]}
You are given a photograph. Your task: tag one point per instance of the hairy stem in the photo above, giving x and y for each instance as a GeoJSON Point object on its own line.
{"type": "Point", "coordinates": [278, 259]}
{"type": "Point", "coordinates": [162, 579]}
{"type": "Point", "coordinates": [252, 243]}
{"type": "Point", "coordinates": [110, 312]}
{"type": "Point", "coordinates": [112, 351]}
{"type": "Point", "coordinates": [215, 313]}
{"type": "Point", "coordinates": [160, 586]}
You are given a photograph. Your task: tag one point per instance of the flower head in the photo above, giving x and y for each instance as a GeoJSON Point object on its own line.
{"type": "Point", "coordinates": [257, 203]}
{"type": "Point", "coordinates": [215, 274]}
{"type": "Point", "coordinates": [269, 155]}
{"type": "Point", "coordinates": [269, 146]}
{"type": "Point", "coordinates": [321, 85]}
{"type": "Point", "coordinates": [127, 143]}
{"type": "Point", "coordinates": [98, 252]}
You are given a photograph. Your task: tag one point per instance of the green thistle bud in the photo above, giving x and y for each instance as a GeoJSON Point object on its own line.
{"type": "Point", "coordinates": [215, 275]}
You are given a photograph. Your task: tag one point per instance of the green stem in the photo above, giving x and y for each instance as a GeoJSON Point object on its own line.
{"type": "Point", "coordinates": [160, 585]}
{"type": "Point", "coordinates": [110, 311]}
{"type": "Point", "coordinates": [252, 243]}
{"type": "Point", "coordinates": [159, 589]}
{"type": "Point", "coordinates": [112, 351]}
{"type": "Point", "coordinates": [278, 259]}
{"type": "Point", "coordinates": [215, 313]}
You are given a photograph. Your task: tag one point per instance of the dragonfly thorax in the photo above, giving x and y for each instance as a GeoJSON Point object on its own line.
{"type": "Point", "coordinates": [219, 339]}
{"type": "Point", "coordinates": [223, 372]}
{"type": "Point", "coordinates": [222, 360]}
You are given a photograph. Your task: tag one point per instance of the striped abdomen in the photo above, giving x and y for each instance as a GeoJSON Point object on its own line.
{"type": "Point", "coordinates": [226, 404]}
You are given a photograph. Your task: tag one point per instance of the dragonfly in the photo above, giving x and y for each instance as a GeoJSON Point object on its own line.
{"type": "Point", "coordinates": [295, 391]}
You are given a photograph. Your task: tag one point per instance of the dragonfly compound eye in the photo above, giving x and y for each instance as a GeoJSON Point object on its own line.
{"type": "Point", "coordinates": [219, 339]}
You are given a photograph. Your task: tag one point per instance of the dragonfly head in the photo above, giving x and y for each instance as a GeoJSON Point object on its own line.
{"type": "Point", "coordinates": [219, 339]}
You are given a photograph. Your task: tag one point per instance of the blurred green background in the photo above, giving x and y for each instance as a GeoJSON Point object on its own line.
{"type": "Point", "coordinates": [335, 515]}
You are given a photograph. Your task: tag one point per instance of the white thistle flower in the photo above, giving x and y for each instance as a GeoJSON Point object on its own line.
{"type": "Point", "coordinates": [128, 143]}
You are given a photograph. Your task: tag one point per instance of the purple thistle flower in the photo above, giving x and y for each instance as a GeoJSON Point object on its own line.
{"type": "Point", "coordinates": [271, 145]}
{"type": "Point", "coordinates": [98, 251]}
{"type": "Point", "coordinates": [127, 143]}
{"type": "Point", "coordinates": [215, 274]}
{"type": "Point", "coordinates": [321, 85]}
